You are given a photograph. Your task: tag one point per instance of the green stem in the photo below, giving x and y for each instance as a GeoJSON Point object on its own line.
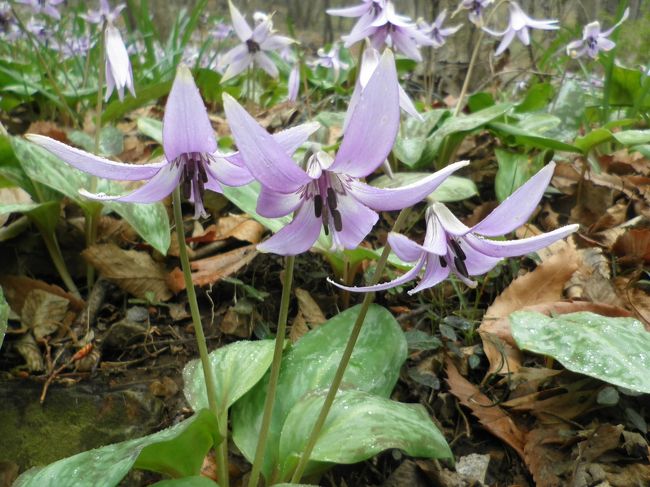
{"type": "Point", "coordinates": [222, 453]}
{"type": "Point", "coordinates": [54, 250]}
{"type": "Point", "coordinates": [275, 372]}
{"type": "Point", "coordinates": [468, 75]}
{"type": "Point", "coordinates": [92, 216]}
{"type": "Point", "coordinates": [345, 359]}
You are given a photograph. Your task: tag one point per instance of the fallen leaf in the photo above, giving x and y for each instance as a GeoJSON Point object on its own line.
{"type": "Point", "coordinates": [11, 196]}
{"type": "Point", "coordinates": [133, 271]}
{"type": "Point", "coordinates": [211, 269]}
{"type": "Point", "coordinates": [592, 280]}
{"type": "Point", "coordinates": [635, 299]}
{"type": "Point", "coordinates": [544, 458]}
{"type": "Point", "coordinates": [43, 312]}
{"type": "Point", "coordinates": [493, 417]}
{"type": "Point", "coordinates": [633, 247]}
{"type": "Point", "coordinates": [28, 349]}
{"type": "Point", "coordinates": [16, 289]}
{"type": "Point", "coordinates": [544, 284]}
{"type": "Point", "coordinates": [50, 129]}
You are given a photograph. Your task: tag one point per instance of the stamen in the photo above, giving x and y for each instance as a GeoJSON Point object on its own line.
{"type": "Point", "coordinates": [338, 222]}
{"type": "Point", "coordinates": [252, 46]}
{"type": "Point", "coordinates": [461, 267]}
{"type": "Point", "coordinates": [331, 199]}
{"type": "Point", "coordinates": [443, 261]}
{"type": "Point", "coordinates": [457, 250]}
{"type": "Point", "coordinates": [318, 205]}
{"type": "Point", "coordinates": [326, 221]}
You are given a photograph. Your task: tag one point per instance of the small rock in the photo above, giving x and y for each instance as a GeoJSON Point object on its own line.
{"type": "Point", "coordinates": [473, 467]}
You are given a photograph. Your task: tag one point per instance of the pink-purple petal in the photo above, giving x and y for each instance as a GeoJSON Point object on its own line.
{"type": "Point", "coordinates": [154, 190]}
{"type": "Point", "coordinates": [515, 210]}
{"type": "Point", "coordinates": [222, 169]}
{"type": "Point", "coordinates": [239, 24]}
{"type": "Point", "coordinates": [388, 199]}
{"type": "Point", "coordinates": [186, 126]}
{"type": "Point", "coordinates": [434, 274]}
{"type": "Point", "coordinates": [298, 236]}
{"type": "Point", "coordinates": [448, 220]}
{"type": "Point", "coordinates": [95, 165]}
{"type": "Point", "coordinates": [373, 125]}
{"type": "Point", "coordinates": [512, 248]}
{"type": "Point", "coordinates": [271, 204]}
{"type": "Point", "coordinates": [262, 154]}
{"type": "Point", "coordinates": [357, 221]}
{"type": "Point", "coordinates": [403, 279]}
{"type": "Point", "coordinates": [405, 248]}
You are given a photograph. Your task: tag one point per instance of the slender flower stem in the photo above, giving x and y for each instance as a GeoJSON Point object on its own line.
{"type": "Point", "coordinates": [92, 216]}
{"type": "Point", "coordinates": [345, 359]}
{"type": "Point", "coordinates": [222, 453]}
{"type": "Point", "coordinates": [468, 75]}
{"type": "Point", "coordinates": [275, 372]}
{"type": "Point", "coordinates": [54, 250]}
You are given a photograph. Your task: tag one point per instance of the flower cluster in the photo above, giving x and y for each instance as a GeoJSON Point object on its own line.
{"type": "Point", "coordinates": [594, 40]}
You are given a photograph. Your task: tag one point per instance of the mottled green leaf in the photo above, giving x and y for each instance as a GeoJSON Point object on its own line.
{"type": "Point", "coordinates": [514, 170]}
{"type": "Point", "coordinates": [151, 128]}
{"type": "Point", "coordinates": [236, 367]}
{"type": "Point", "coordinates": [615, 350]}
{"type": "Point", "coordinates": [111, 141]}
{"type": "Point", "coordinates": [310, 365]}
{"type": "Point", "coordinates": [521, 136]}
{"type": "Point", "coordinates": [359, 426]}
{"type": "Point", "coordinates": [632, 137]}
{"type": "Point", "coordinates": [177, 451]}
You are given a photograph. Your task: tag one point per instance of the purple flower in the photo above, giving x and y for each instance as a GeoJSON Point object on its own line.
{"type": "Point", "coordinates": [450, 247]}
{"type": "Point", "coordinates": [293, 85]}
{"type": "Point", "coordinates": [369, 63]}
{"type": "Point", "coordinates": [191, 156]}
{"type": "Point", "coordinates": [372, 7]}
{"type": "Point", "coordinates": [436, 32]}
{"type": "Point", "coordinates": [384, 27]}
{"type": "Point", "coordinates": [593, 40]}
{"type": "Point", "coordinates": [118, 67]}
{"type": "Point", "coordinates": [330, 60]}
{"type": "Point", "coordinates": [74, 46]}
{"type": "Point", "coordinates": [221, 31]}
{"type": "Point", "coordinates": [518, 25]}
{"type": "Point", "coordinates": [328, 193]}
{"type": "Point", "coordinates": [476, 9]}
{"type": "Point", "coordinates": [104, 14]}
{"type": "Point", "coordinates": [48, 7]}
{"type": "Point", "coordinates": [254, 44]}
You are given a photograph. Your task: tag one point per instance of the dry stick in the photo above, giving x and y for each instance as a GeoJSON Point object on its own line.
{"type": "Point", "coordinates": [269, 402]}
{"type": "Point", "coordinates": [345, 359]}
{"type": "Point", "coordinates": [222, 453]}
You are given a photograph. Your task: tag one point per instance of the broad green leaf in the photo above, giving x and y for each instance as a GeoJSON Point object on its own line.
{"type": "Point", "coordinates": [537, 98]}
{"type": "Point", "coordinates": [236, 367]}
{"type": "Point", "coordinates": [44, 215]}
{"type": "Point", "coordinates": [111, 141]}
{"type": "Point", "coordinates": [592, 139]}
{"type": "Point", "coordinates": [194, 481]}
{"type": "Point", "coordinates": [11, 169]}
{"type": "Point", "coordinates": [177, 451]}
{"type": "Point", "coordinates": [625, 86]}
{"type": "Point", "coordinates": [411, 143]}
{"type": "Point", "coordinates": [420, 340]}
{"type": "Point", "coordinates": [569, 107]}
{"type": "Point", "coordinates": [151, 128]}
{"type": "Point", "coordinates": [467, 123]}
{"type": "Point", "coordinates": [4, 316]}
{"type": "Point", "coordinates": [524, 137]}
{"type": "Point", "coordinates": [150, 220]}
{"type": "Point", "coordinates": [615, 350]}
{"type": "Point", "coordinates": [454, 188]}
{"type": "Point", "coordinates": [359, 426]}
{"type": "Point", "coordinates": [514, 170]}
{"type": "Point", "coordinates": [374, 367]}
{"type": "Point", "coordinates": [632, 137]}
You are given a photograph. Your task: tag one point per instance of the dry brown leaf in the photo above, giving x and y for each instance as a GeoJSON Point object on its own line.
{"type": "Point", "coordinates": [133, 271]}
{"type": "Point", "coordinates": [16, 289]}
{"type": "Point", "coordinates": [309, 308]}
{"type": "Point", "coordinates": [592, 280]}
{"type": "Point", "coordinates": [236, 324]}
{"type": "Point", "coordinates": [211, 269]}
{"type": "Point", "coordinates": [241, 227]}
{"type": "Point", "coordinates": [543, 457]}
{"type": "Point", "coordinates": [633, 247]}
{"type": "Point", "coordinates": [28, 349]}
{"type": "Point", "coordinates": [634, 299]}
{"type": "Point", "coordinates": [544, 284]}
{"type": "Point", "coordinates": [43, 312]}
{"type": "Point", "coordinates": [494, 418]}
{"type": "Point", "coordinates": [11, 196]}
{"type": "Point", "coordinates": [49, 129]}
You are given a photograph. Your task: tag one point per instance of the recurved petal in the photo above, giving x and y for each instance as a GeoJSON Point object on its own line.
{"type": "Point", "coordinates": [373, 124]}
{"type": "Point", "coordinates": [434, 274]}
{"type": "Point", "coordinates": [357, 221]}
{"type": "Point", "coordinates": [387, 199]}
{"type": "Point", "coordinates": [515, 210]}
{"type": "Point", "coordinates": [512, 248]}
{"type": "Point", "coordinates": [292, 138]}
{"type": "Point", "coordinates": [298, 236]}
{"type": "Point", "coordinates": [157, 188]}
{"type": "Point", "coordinates": [272, 204]}
{"type": "Point", "coordinates": [609, 31]}
{"type": "Point", "coordinates": [448, 220]}
{"type": "Point", "coordinates": [266, 63]}
{"type": "Point", "coordinates": [95, 165]}
{"type": "Point", "coordinates": [242, 29]}
{"type": "Point", "coordinates": [407, 105]}
{"type": "Point", "coordinates": [229, 173]}
{"type": "Point", "coordinates": [405, 248]}
{"type": "Point", "coordinates": [354, 11]}
{"type": "Point", "coordinates": [186, 126]}
{"type": "Point", "coordinates": [403, 279]}
{"type": "Point", "coordinates": [237, 66]}
{"type": "Point", "coordinates": [505, 41]}
{"type": "Point", "coordinates": [265, 158]}
{"type": "Point", "coordinates": [276, 42]}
